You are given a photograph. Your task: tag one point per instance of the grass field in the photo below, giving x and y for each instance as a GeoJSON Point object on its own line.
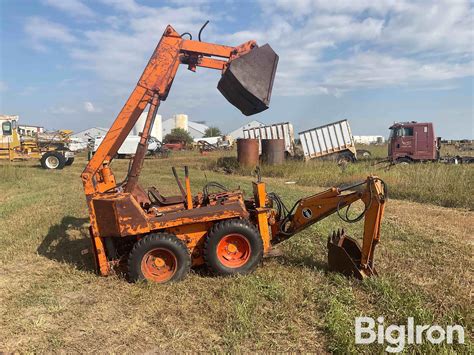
{"type": "Point", "coordinates": [51, 300]}
{"type": "Point", "coordinates": [435, 183]}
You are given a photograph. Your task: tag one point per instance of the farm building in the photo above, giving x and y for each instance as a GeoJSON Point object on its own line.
{"type": "Point", "coordinates": [195, 129]}
{"type": "Point", "coordinates": [89, 133]}
{"type": "Point", "coordinates": [239, 132]}
{"type": "Point", "coordinates": [369, 139]}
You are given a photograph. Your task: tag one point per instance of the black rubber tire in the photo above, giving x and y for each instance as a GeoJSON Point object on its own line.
{"type": "Point", "coordinates": [404, 161]}
{"type": "Point", "coordinates": [363, 154]}
{"type": "Point", "coordinates": [220, 230]}
{"type": "Point", "coordinates": [158, 240]}
{"type": "Point", "coordinates": [345, 158]}
{"type": "Point", "coordinates": [57, 155]}
{"type": "Point", "coordinates": [69, 161]}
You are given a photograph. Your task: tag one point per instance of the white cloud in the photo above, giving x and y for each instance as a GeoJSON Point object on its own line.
{"type": "Point", "coordinates": [41, 30]}
{"type": "Point", "coordinates": [72, 7]}
{"type": "Point", "coordinates": [89, 107]}
{"type": "Point", "coordinates": [61, 110]}
{"type": "Point", "coordinates": [129, 6]}
{"type": "Point", "coordinates": [374, 70]}
{"type": "Point", "coordinates": [341, 45]}
{"type": "Point", "coordinates": [325, 47]}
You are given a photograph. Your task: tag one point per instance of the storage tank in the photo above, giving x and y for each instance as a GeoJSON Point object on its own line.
{"type": "Point", "coordinates": [157, 129]}
{"type": "Point", "coordinates": [139, 124]}
{"type": "Point", "coordinates": [247, 152]}
{"type": "Point", "coordinates": [273, 151]}
{"type": "Point", "coordinates": [181, 121]}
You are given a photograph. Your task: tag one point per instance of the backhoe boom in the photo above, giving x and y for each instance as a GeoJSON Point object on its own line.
{"type": "Point", "coordinates": [312, 209]}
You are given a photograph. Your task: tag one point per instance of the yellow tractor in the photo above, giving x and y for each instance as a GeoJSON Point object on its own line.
{"type": "Point", "coordinates": [50, 148]}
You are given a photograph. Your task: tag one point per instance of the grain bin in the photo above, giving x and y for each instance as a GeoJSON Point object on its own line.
{"type": "Point", "coordinates": [247, 152]}
{"type": "Point", "coordinates": [157, 129]}
{"type": "Point", "coordinates": [138, 127]}
{"type": "Point", "coordinates": [181, 121]}
{"type": "Point", "coordinates": [273, 151]}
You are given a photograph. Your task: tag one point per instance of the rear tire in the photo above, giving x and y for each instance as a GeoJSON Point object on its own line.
{"type": "Point", "coordinates": [233, 247]}
{"type": "Point", "coordinates": [69, 161]}
{"type": "Point", "coordinates": [363, 154]}
{"type": "Point", "coordinates": [345, 158]}
{"type": "Point", "coordinates": [404, 161]}
{"type": "Point", "coordinates": [52, 160]}
{"type": "Point", "coordinates": [159, 257]}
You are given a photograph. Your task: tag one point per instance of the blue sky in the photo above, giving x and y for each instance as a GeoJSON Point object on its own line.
{"type": "Point", "coordinates": [72, 63]}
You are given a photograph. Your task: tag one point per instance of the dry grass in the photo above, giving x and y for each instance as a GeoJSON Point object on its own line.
{"type": "Point", "coordinates": [435, 183]}
{"type": "Point", "coordinates": [52, 301]}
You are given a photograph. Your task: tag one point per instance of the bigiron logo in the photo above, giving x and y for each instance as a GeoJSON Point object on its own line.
{"type": "Point", "coordinates": [397, 336]}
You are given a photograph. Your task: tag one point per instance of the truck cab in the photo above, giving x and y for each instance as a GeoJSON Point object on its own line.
{"type": "Point", "coordinates": [412, 141]}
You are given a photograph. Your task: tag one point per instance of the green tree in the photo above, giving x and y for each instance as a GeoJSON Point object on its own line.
{"type": "Point", "coordinates": [178, 135]}
{"type": "Point", "coordinates": [212, 132]}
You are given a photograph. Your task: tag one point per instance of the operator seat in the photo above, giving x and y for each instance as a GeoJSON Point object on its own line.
{"type": "Point", "coordinates": [161, 200]}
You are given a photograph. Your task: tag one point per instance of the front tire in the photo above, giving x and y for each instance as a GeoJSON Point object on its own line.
{"type": "Point", "coordinates": [53, 160]}
{"type": "Point", "coordinates": [159, 257]}
{"type": "Point", "coordinates": [233, 247]}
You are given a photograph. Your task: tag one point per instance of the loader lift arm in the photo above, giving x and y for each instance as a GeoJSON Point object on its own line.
{"type": "Point", "coordinates": [153, 88]}
{"type": "Point", "coordinates": [359, 261]}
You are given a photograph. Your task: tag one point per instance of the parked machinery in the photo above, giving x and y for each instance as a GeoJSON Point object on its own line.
{"type": "Point", "coordinates": [158, 238]}
{"type": "Point", "coordinates": [51, 148]}
{"type": "Point", "coordinates": [412, 142]}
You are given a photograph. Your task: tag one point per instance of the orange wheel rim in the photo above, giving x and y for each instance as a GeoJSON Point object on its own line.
{"type": "Point", "coordinates": [159, 265]}
{"type": "Point", "coordinates": [233, 250]}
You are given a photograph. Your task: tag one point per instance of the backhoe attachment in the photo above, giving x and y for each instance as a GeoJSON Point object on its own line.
{"type": "Point", "coordinates": [345, 255]}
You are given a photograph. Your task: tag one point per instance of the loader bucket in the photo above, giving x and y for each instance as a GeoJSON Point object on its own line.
{"type": "Point", "coordinates": [344, 255]}
{"type": "Point", "coordinates": [248, 80]}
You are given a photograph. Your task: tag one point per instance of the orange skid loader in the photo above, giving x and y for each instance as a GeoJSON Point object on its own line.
{"type": "Point", "coordinates": [159, 238]}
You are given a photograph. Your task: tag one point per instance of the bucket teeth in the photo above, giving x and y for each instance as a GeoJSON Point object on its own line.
{"type": "Point", "coordinates": [344, 255]}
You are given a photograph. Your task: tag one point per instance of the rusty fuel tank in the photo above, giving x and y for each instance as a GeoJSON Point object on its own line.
{"type": "Point", "coordinates": [273, 151]}
{"type": "Point", "coordinates": [247, 152]}
{"type": "Point", "coordinates": [248, 80]}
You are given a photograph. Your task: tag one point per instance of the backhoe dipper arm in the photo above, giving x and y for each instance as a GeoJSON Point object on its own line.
{"type": "Point", "coordinates": [153, 87]}
{"type": "Point", "coordinates": [312, 209]}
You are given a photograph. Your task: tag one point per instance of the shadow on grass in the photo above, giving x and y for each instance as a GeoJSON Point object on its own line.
{"type": "Point", "coordinates": [65, 242]}
{"type": "Point", "coordinates": [311, 262]}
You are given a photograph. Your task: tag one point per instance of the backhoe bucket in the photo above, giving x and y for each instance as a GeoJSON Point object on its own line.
{"type": "Point", "coordinates": [248, 80]}
{"type": "Point", "coordinates": [344, 255]}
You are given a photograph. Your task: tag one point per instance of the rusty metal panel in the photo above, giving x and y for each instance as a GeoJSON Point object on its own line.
{"type": "Point", "coordinates": [213, 213]}
{"type": "Point", "coordinates": [327, 139]}
{"type": "Point", "coordinates": [106, 217]}
{"type": "Point", "coordinates": [131, 218]}
{"type": "Point", "coordinates": [282, 130]}
{"type": "Point", "coordinates": [119, 215]}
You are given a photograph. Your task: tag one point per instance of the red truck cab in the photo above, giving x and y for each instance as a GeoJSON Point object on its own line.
{"type": "Point", "coordinates": [412, 141]}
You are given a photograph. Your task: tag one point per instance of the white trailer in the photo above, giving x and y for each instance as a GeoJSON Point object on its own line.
{"type": "Point", "coordinates": [275, 131]}
{"type": "Point", "coordinates": [129, 146]}
{"type": "Point", "coordinates": [333, 140]}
